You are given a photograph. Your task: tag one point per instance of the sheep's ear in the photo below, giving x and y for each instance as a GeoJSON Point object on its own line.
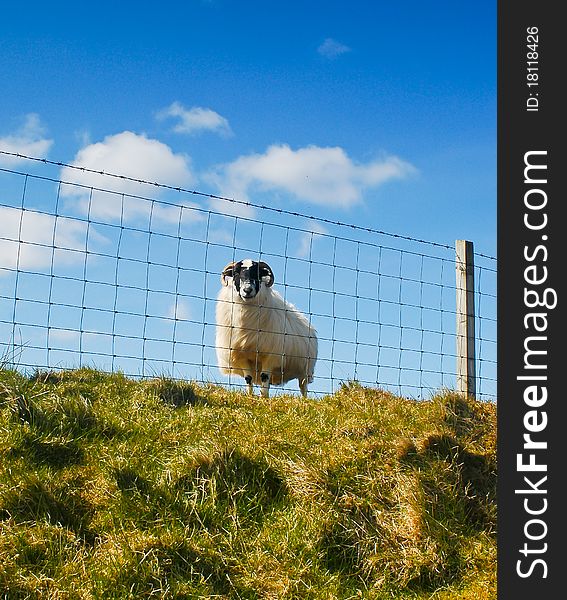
{"type": "Point", "coordinates": [266, 273]}
{"type": "Point", "coordinates": [227, 272]}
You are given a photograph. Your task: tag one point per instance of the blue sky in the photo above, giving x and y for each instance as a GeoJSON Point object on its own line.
{"type": "Point", "coordinates": [378, 114]}
{"type": "Point", "coordinates": [412, 80]}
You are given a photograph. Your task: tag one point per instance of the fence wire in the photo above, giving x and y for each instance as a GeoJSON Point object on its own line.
{"type": "Point", "coordinates": [123, 275]}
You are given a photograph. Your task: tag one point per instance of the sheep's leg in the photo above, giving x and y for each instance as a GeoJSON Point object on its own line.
{"type": "Point", "coordinates": [303, 387]}
{"type": "Point", "coordinates": [248, 379]}
{"type": "Point", "coordinates": [265, 391]}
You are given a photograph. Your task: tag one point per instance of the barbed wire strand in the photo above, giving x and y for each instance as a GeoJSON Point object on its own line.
{"type": "Point", "coordinates": [233, 201]}
{"type": "Point", "coordinates": [403, 346]}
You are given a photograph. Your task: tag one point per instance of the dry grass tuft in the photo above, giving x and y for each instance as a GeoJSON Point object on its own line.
{"type": "Point", "coordinates": [115, 488]}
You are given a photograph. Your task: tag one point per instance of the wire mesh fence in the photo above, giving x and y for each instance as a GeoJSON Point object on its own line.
{"type": "Point", "coordinates": [122, 275]}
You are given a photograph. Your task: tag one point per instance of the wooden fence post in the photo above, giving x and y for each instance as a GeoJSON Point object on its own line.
{"type": "Point", "coordinates": [466, 359]}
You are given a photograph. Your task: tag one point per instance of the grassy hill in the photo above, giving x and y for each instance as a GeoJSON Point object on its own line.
{"type": "Point", "coordinates": [116, 488]}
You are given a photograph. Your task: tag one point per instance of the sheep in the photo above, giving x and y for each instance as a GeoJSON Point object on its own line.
{"type": "Point", "coordinates": [259, 335]}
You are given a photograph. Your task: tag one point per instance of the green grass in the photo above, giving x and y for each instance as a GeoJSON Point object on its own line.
{"type": "Point", "coordinates": [116, 488]}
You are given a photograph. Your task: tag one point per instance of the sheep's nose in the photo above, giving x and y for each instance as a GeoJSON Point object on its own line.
{"type": "Point", "coordinates": [247, 288]}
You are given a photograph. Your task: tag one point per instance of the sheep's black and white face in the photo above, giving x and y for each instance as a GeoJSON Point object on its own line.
{"type": "Point", "coordinates": [247, 277]}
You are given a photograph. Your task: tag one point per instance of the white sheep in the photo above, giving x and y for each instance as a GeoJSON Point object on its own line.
{"type": "Point", "coordinates": [260, 336]}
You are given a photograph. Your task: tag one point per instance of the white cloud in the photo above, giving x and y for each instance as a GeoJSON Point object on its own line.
{"type": "Point", "coordinates": [232, 209]}
{"type": "Point", "coordinates": [27, 239]}
{"type": "Point", "coordinates": [133, 156]}
{"type": "Point", "coordinates": [324, 176]}
{"type": "Point", "coordinates": [195, 119]}
{"type": "Point", "coordinates": [330, 48]}
{"type": "Point", "coordinates": [64, 335]}
{"type": "Point", "coordinates": [28, 140]}
{"type": "Point", "coordinates": [83, 136]}
{"type": "Point", "coordinates": [222, 236]}
{"type": "Point", "coordinates": [180, 311]}
{"type": "Point", "coordinates": [308, 239]}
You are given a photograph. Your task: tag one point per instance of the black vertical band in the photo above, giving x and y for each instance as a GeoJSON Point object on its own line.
{"type": "Point", "coordinates": [532, 372]}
